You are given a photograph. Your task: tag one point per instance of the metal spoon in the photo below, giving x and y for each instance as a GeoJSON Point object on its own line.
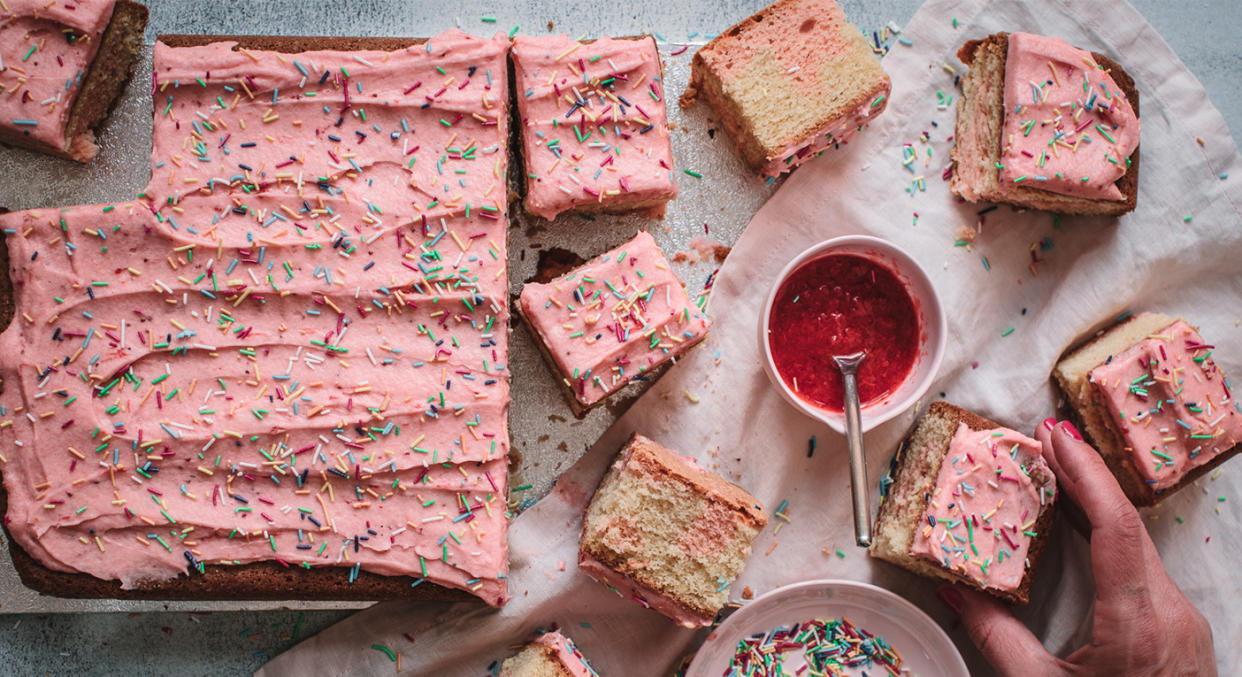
{"type": "Point", "coordinates": [848, 364]}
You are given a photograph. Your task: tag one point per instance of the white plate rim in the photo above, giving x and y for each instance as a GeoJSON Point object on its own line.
{"type": "Point", "coordinates": [697, 667]}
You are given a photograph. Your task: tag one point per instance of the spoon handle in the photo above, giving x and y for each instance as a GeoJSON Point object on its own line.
{"type": "Point", "coordinates": [858, 463]}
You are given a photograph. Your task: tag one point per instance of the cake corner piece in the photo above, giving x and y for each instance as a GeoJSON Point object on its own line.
{"type": "Point", "coordinates": [623, 316]}
{"type": "Point", "coordinates": [82, 76]}
{"type": "Point", "coordinates": [570, 94]}
{"type": "Point", "coordinates": [550, 654]}
{"type": "Point", "coordinates": [995, 534]}
{"type": "Point", "coordinates": [654, 512]}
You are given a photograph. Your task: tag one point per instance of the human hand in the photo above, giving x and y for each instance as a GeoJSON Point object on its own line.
{"type": "Point", "coordinates": [1143, 623]}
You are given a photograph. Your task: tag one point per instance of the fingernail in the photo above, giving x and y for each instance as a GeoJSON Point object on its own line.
{"type": "Point", "coordinates": [951, 598]}
{"type": "Point", "coordinates": [1050, 423]}
{"type": "Point", "coordinates": [1071, 430]}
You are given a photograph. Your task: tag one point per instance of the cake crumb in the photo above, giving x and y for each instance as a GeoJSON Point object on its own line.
{"type": "Point", "coordinates": [702, 249]}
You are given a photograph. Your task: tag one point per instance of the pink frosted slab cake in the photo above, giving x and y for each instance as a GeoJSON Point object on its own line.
{"type": "Point", "coordinates": [616, 318]}
{"type": "Point", "coordinates": [594, 130]}
{"type": "Point", "coordinates": [551, 654]}
{"type": "Point", "coordinates": [971, 502]}
{"type": "Point", "coordinates": [789, 82]}
{"type": "Point", "coordinates": [286, 361]}
{"type": "Point", "coordinates": [665, 532]}
{"type": "Point", "coordinates": [1154, 402]}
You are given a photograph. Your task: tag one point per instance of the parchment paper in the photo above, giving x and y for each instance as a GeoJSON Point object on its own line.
{"type": "Point", "coordinates": [1180, 252]}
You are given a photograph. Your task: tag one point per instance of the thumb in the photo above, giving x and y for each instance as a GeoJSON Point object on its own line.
{"type": "Point", "coordinates": [1008, 645]}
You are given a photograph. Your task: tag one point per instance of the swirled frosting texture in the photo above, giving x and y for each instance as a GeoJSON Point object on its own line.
{"type": "Point", "coordinates": [294, 347]}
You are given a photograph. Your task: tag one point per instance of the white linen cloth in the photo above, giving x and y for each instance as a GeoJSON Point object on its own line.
{"type": "Point", "coordinates": [1092, 270]}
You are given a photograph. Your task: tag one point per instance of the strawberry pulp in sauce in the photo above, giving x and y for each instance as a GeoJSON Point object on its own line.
{"type": "Point", "coordinates": [839, 304]}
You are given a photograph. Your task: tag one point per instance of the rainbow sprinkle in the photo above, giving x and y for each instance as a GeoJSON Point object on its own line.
{"type": "Point", "coordinates": [816, 647]}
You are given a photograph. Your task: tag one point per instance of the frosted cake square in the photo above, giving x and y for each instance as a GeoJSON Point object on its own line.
{"type": "Point", "coordinates": [595, 134]}
{"type": "Point", "coordinates": [971, 503]}
{"type": "Point", "coordinates": [619, 317]}
{"type": "Point", "coordinates": [1154, 403]}
{"type": "Point", "coordinates": [789, 82]}
{"type": "Point", "coordinates": [62, 66]}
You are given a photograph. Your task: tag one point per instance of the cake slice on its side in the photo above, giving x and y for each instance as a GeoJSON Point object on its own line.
{"type": "Point", "coordinates": [622, 316]}
{"type": "Point", "coordinates": [788, 82]}
{"type": "Point", "coordinates": [1150, 398]}
{"type": "Point", "coordinates": [551, 654]}
{"type": "Point", "coordinates": [1072, 150]}
{"type": "Point", "coordinates": [667, 533]}
{"type": "Point", "coordinates": [62, 66]}
{"type": "Point", "coordinates": [971, 503]}
{"type": "Point", "coordinates": [595, 133]}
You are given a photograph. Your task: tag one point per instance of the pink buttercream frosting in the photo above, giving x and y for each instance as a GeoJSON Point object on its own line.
{"type": "Point", "coordinates": [980, 517]}
{"type": "Point", "coordinates": [1170, 402]}
{"type": "Point", "coordinates": [46, 49]}
{"type": "Point", "coordinates": [415, 143]}
{"type": "Point", "coordinates": [567, 654]}
{"type": "Point", "coordinates": [594, 125]}
{"type": "Point", "coordinates": [294, 348]}
{"type": "Point", "coordinates": [614, 318]}
{"type": "Point", "coordinates": [1068, 128]}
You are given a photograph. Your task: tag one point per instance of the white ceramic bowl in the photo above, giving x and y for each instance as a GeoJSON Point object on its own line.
{"type": "Point", "coordinates": [932, 326]}
{"type": "Point", "coordinates": [925, 649]}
